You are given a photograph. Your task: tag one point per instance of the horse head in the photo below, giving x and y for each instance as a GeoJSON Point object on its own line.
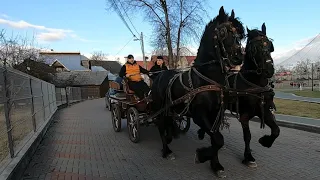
{"type": "Point", "coordinates": [221, 41]}
{"type": "Point", "coordinates": [258, 53]}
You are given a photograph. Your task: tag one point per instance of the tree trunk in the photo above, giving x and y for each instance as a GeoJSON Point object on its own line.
{"type": "Point", "coordinates": [179, 35]}
{"type": "Point", "coordinates": [168, 34]}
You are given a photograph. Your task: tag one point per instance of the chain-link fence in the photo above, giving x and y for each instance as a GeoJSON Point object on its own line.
{"type": "Point", "coordinates": [27, 104]}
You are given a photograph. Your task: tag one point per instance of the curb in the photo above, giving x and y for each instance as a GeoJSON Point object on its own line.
{"type": "Point", "coordinates": [298, 126]}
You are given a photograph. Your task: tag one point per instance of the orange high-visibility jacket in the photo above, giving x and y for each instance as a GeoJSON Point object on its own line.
{"type": "Point", "coordinates": [133, 69]}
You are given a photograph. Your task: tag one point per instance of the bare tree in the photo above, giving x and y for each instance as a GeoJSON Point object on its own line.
{"type": "Point", "coordinates": [98, 56]}
{"type": "Point", "coordinates": [15, 49]}
{"type": "Point", "coordinates": [174, 22]}
{"type": "Point", "coordinates": [281, 69]}
{"type": "Point", "coordinates": [303, 68]}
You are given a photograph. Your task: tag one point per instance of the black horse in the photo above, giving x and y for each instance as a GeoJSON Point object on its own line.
{"type": "Point", "coordinates": [252, 95]}
{"type": "Point", "coordinates": [220, 49]}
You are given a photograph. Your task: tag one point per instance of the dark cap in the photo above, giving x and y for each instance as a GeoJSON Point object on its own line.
{"type": "Point", "coordinates": [130, 56]}
{"type": "Point", "coordinates": [159, 57]}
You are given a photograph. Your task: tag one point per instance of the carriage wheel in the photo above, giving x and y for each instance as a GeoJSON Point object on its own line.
{"type": "Point", "coordinates": [116, 117]}
{"type": "Point", "coordinates": [108, 103]}
{"type": "Point", "coordinates": [184, 124]}
{"type": "Point", "coordinates": [133, 124]}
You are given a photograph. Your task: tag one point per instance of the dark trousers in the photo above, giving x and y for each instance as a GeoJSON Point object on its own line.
{"type": "Point", "coordinates": [140, 88]}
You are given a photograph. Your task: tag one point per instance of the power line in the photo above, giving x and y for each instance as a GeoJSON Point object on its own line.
{"type": "Point", "coordinates": [128, 17]}
{"type": "Point", "coordinates": [297, 53]}
{"type": "Point", "coordinates": [124, 46]}
{"type": "Point", "coordinates": [121, 16]}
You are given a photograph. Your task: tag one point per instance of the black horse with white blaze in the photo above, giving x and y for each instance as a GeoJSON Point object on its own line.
{"type": "Point", "coordinates": [220, 49]}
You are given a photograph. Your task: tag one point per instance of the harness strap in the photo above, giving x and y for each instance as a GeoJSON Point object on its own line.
{"type": "Point", "coordinates": [206, 78]}
{"type": "Point", "coordinates": [184, 97]}
{"type": "Point", "coordinates": [181, 82]}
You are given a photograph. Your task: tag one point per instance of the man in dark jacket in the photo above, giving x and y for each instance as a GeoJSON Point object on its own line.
{"type": "Point", "coordinates": [158, 67]}
{"type": "Point", "coordinates": [132, 71]}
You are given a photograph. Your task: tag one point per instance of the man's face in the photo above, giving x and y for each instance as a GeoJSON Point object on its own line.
{"type": "Point", "coordinates": [159, 62]}
{"type": "Point", "coordinates": [130, 60]}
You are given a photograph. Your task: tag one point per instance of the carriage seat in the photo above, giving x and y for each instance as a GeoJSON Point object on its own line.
{"type": "Point", "coordinates": [126, 87]}
{"type": "Point", "coordinates": [114, 85]}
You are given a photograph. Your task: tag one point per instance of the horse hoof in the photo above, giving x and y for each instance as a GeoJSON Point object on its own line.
{"type": "Point", "coordinates": [250, 164]}
{"type": "Point", "coordinates": [196, 159]}
{"type": "Point", "coordinates": [221, 174]}
{"type": "Point", "coordinates": [171, 156]}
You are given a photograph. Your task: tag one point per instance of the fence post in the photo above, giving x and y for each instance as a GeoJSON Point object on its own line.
{"type": "Point", "coordinates": [32, 107]}
{"type": "Point", "coordinates": [67, 96]}
{"type": "Point", "coordinates": [49, 103]}
{"type": "Point", "coordinates": [44, 109]}
{"type": "Point", "coordinates": [6, 95]}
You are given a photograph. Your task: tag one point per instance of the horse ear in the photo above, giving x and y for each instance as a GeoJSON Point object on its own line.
{"type": "Point", "coordinates": [232, 14]}
{"type": "Point", "coordinates": [264, 29]}
{"type": "Point", "coordinates": [222, 12]}
{"type": "Point", "coordinates": [248, 30]}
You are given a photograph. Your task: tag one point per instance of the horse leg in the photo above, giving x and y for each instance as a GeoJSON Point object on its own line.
{"type": "Point", "coordinates": [217, 141]}
{"type": "Point", "coordinates": [270, 120]}
{"type": "Point", "coordinates": [166, 151]}
{"type": "Point", "coordinates": [248, 158]}
{"type": "Point", "coordinates": [201, 132]}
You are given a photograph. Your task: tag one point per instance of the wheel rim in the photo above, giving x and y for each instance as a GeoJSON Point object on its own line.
{"type": "Point", "coordinates": [183, 124]}
{"type": "Point", "coordinates": [133, 128]}
{"type": "Point", "coordinates": [116, 120]}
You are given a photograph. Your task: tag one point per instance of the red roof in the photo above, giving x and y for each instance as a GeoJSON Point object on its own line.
{"type": "Point", "coordinates": [149, 64]}
{"type": "Point", "coordinates": [190, 59]}
{"type": "Point", "coordinates": [283, 73]}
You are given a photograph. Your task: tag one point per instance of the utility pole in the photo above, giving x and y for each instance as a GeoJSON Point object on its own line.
{"type": "Point", "coordinates": [143, 55]}
{"type": "Point", "coordinates": [142, 49]}
{"type": "Point", "coordinates": [311, 76]}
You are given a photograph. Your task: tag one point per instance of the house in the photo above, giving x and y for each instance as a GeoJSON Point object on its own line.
{"type": "Point", "coordinates": [111, 66]}
{"type": "Point", "coordinates": [93, 84]}
{"type": "Point", "coordinates": [66, 61]}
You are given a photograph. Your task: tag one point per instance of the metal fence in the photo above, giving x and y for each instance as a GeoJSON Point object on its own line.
{"type": "Point", "coordinates": [26, 104]}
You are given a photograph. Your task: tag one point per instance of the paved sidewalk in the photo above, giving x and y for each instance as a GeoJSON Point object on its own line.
{"type": "Point", "coordinates": [81, 144]}
{"type": "Point", "coordinates": [290, 96]}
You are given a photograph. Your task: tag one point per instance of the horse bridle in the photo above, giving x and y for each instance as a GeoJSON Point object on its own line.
{"type": "Point", "coordinates": [221, 33]}
{"type": "Point", "coordinates": [266, 45]}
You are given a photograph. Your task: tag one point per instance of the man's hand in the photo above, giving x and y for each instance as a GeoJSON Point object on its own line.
{"type": "Point", "coordinates": [128, 75]}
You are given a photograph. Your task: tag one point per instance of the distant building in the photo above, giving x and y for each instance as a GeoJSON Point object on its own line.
{"type": "Point", "coordinates": [74, 61]}
{"type": "Point", "coordinates": [66, 61]}
{"type": "Point", "coordinates": [93, 84]}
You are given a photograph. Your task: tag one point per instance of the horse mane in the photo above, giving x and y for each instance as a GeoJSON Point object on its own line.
{"type": "Point", "coordinates": [254, 33]}
{"type": "Point", "coordinates": [247, 63]}
{"type": "Point", "coordinates": [239, 26]}
{"type": "Point", "coordinates": [207, 35]}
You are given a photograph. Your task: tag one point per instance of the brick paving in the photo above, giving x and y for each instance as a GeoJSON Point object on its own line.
{"type": "Point", "coordinates": [81, 144]}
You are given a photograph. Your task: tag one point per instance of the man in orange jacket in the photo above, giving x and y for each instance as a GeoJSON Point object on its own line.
{"type": "Point", "coordinates": [132, 71]}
